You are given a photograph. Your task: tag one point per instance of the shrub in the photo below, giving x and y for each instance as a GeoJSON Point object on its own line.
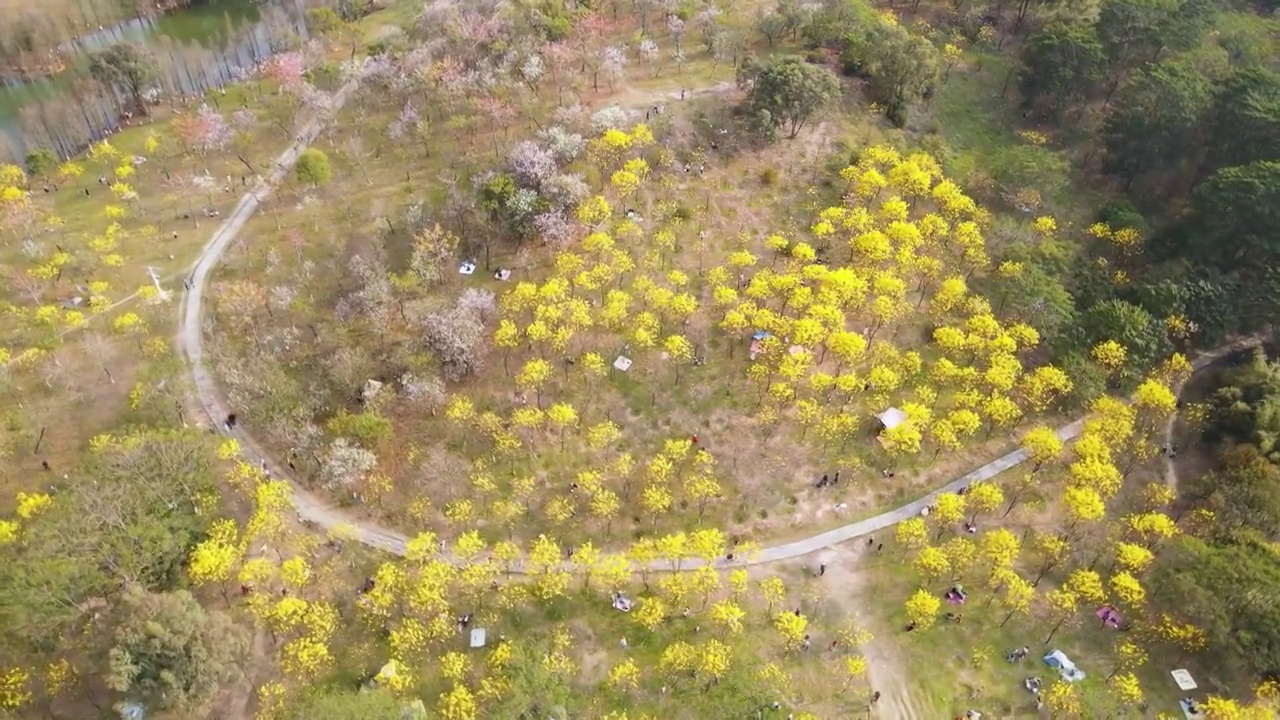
{"type": "Point", "coordinates": [1122, 214]}
{"type": "Point", "coordinates": [897, 113]}
{"type": "Point", "coordinates": [368, 428]}
{"type": "Point", "coordinates": [817, 57]}
{"type": "Point", "coordinates": [323, 20]}
{"type": "Point", "coordinates": [768, 176]}
{"type": "Point", "coordinates": [681, 213]}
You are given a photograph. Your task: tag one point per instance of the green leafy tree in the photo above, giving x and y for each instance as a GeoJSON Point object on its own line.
{"type": "Point", "coordinates": [1234, 215]}
{"type": "Point", "coordinates": [323, 20]}
{"type": "Point", "coordinates": [496, 194]}
{"type": "Point", "coordinates": [333, 704]}
{"type": "Point", "coordinates": [1156, 116]}
{"type": "Point", "coordinates": [126, 517]}
{"type": "Point", "coordinates": [790, 90]}
{"type": "Point", "coordinates": [1061, 65]}
{"type": "Point", "coordinates": [1143, 337]}
{"type": "Point", "coordinates": [313, 167]}
{"type": "Point", "coordinates": [1243, 495]}
{"type": "Point", "coordinates": [1038, 298]}
{"type": "Point", "coordinates": [534, 683]}
{"type": "Point", "coordinates": [1245, 124]}
{"type": "Point", "coordinates": [369, 427]}
{"type": "Point", "coordinates": [1137, 31]}
{"type": "Point", "coordinates": [771, 25]}
{"type": "Point", "coordinates": [169, 651]}
{"type": "Point", "coordinates": [41, 162]}
{"type": "Point", "coordinates": [902, 67]}
{"type": "Point", "coordinates": [126, 68]}
{"type": "Point", "coordinates": [1220, 587]}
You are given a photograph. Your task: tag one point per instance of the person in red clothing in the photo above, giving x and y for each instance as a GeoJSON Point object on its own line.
{"type": "Point", "coordinates": [695, 439]}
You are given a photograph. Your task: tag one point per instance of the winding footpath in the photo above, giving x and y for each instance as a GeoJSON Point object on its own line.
{"type": "Point", "coordinates": [316, 512]}
{"type": "Point", "coordinates": [190, 339]}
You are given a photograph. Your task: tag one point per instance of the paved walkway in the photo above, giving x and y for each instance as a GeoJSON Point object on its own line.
{"type": "Point", "coordinates": [888, 519]}
{"type": "Point", "coordinates": [314, 511]}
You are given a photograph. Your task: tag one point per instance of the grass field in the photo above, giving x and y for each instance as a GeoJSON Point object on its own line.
{"type": "Point", "coordinates": [983, 128]}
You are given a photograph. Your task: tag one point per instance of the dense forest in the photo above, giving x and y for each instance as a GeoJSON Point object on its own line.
{"type": "Point", "coordinates": [1189, 123]}
{"type": "Point", "coordinates": [1185, 101]}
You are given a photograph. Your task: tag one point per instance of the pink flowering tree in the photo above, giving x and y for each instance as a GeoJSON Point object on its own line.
{"type": "Point", "coordinates": [531, 70]}
{"type": "Point", "coordinates": [559, 55]}
{"type": "Point", "coordinates": [243, 119]}
{"type": "Point", "coordinates": [217, 133]}
{"type": "Point", "coordinates": [555, 228]}
{"type": "Point", "coordinates": [613, 63]}
{"type": "Point", "coordinates": [649, 55]}
{"type": "Point", "coordinates": [451, 79]}
{"type": "Point", "coordinates": [204, 131]}
{"type": "Point", "coordinates": [405, 123]}
{"type": "Point", "coordinates": [288, 71]}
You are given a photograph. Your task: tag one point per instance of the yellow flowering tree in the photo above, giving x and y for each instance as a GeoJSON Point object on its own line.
{"type": "Point", "coordinates": [922, 609]}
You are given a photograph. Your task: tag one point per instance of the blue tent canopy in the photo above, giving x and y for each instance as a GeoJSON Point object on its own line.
{"type": "Point", "coordinates": [760, 335]}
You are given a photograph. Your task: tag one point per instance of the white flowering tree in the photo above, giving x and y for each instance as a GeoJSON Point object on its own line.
{"type": "Point", "coordinates": [344, 464]}
{"type": "Point", "coordinates": [531, 164]}
{"type": "Point", "coordinates": [566, 146]}
{"type": "Point", "coordinates": [614, 64]}
{"type": "Point", "coordinates": [457, 336]}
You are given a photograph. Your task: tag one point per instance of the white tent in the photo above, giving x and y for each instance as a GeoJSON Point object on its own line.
{"type": "Point", "coordinates": [1059, 661]}
{"type": "Point", "coordinates": [892, 418]}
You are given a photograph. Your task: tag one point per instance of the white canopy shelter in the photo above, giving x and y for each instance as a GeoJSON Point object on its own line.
{"type": "Point", "coordinates": [1184, 680]}
{"type": "Point", "coordinates": [892, 418]}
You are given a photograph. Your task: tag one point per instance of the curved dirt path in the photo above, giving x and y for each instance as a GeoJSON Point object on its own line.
{"type": "Point", "coordinates": [1201, 362]}
{"type": "Point", "coordinates": [190, 339]}
{"type": "Point", "coordinates": [315, 511]}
